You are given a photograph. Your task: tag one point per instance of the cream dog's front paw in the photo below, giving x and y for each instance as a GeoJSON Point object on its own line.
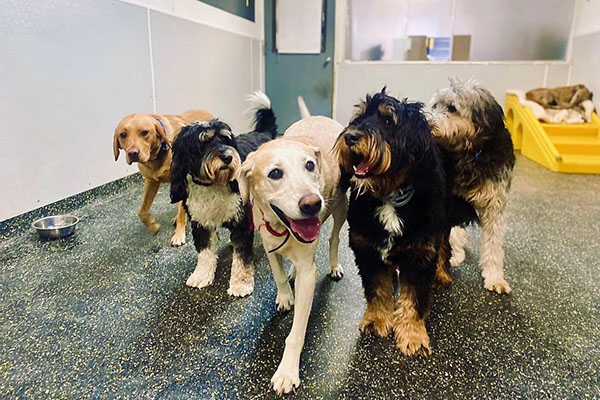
{"type": "Point", "coordinates": [336, 272]}
{"type": "Point", "coordinates": [285, 380]}
{"type": "Point", "coordinates": [284, 301]}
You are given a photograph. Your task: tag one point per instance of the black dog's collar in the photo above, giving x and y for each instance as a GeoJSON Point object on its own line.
{"type": "Point", "coordinates": [401, 197]}
{"type": "Point", "coordinates": [197, 182]}
{"type": "Point", "coordinates": [233, 185]}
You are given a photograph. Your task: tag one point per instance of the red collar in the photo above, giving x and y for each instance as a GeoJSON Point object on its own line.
{"type": "Point", "coordinates": [266, 224]}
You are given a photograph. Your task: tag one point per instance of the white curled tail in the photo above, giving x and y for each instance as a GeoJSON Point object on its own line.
{"type": "Point", "coordinates": [304, 113]}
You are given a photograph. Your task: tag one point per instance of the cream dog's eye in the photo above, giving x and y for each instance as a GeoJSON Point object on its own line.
{"type": "Point", "coordinates": [310, 166]}
{"type": "Point", "coordinates": [451, 108]}
{"type": "Point", "coordinates": [275, 174]}
{"type": "Point", "coordinates": [123, 135]}
{"type": "Point", "coordinates": [143, 133]}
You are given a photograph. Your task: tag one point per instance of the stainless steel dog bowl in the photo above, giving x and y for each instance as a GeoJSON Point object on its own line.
{"type": "Point", "coordinates": [56, 226]}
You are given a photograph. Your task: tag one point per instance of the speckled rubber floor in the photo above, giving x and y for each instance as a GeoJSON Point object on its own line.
{"type": "Point", "coordinates": [106, 313]}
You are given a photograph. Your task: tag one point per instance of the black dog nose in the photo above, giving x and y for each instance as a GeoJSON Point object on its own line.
{"type": "Point", "coordinates": [226, 158]}
{"type": "Point", "coordinates": [310, 204]}
{"type": "Point", "coordinates": [133, 154]}
{"type": "Point", "coordinates": [351, 138]}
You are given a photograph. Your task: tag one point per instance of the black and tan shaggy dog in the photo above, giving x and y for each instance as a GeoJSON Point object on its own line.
{"type": "Point", "coordinates": [469, 123]}
{"type": "Point", "coordinates": [398, 215]}
{"type": "Point", "coordinates": [206, 158]}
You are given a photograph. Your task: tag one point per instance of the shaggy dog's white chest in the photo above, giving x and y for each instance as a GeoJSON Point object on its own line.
{"type": "Point", "coordinates": [392, 223]}
{"type": "Point", "coordinates": [213, 205]}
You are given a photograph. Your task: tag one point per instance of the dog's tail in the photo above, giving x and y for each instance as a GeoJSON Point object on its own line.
{"type": "Point", "coordinates": [263, 116]}
{"type": "Point", "coordinates": [304, 113]}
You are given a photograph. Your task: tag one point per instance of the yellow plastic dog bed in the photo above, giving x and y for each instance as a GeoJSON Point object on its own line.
{"type": "Point", "coordinates": [559, 147]}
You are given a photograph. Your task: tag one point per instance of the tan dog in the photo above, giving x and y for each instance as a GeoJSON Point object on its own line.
{"type": "Point", "coordinates": [563, 97]}
{"type": "Point", "coordinates": [146, 139]}
{"type": "Point", "coordinates": [293, 183]}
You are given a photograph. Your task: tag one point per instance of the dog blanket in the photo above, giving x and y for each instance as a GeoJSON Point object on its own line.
{"type": "Point", "coordinates": [556, 116]}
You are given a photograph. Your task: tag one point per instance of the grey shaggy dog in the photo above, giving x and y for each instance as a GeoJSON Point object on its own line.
{"type": "Point", "coordinates": [469, 123]}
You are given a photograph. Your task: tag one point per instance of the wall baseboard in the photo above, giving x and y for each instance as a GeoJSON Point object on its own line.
{"type": "Point", "coordinates": [22, 222]}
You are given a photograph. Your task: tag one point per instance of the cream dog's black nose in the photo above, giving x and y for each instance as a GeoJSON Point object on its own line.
{"type": "Point", "coordinates": [226, 158]}
{"type": "Point", "coordinates": [310, 204]}
{"type": "Point", "coordinates": [351, 138]}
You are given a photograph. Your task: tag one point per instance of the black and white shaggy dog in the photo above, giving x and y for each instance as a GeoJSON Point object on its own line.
{"type": "Point", "coordinates": [206, 158]}
{"type": "Point", "coordinates": [469, 123]}
{"type": "Point", "coordinates": [398, 215]}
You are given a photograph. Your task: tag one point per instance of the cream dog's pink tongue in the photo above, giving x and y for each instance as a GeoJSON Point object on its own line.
{"type": "Point", "coordinates": [307, 229]}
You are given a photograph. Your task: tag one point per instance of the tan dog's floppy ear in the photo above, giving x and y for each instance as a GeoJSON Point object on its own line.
{"type": "Point", "coordinates": [116, 145]}
{"type": "Point", "coordinates": [243, 177]}
{"type": "Point", "coordinates": [161, 129]}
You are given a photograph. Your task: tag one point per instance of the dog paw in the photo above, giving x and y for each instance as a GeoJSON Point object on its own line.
{"type": "Point", "coordinates": [178, 239]}
{"type": "Point", "coordinates": [457, 259]}
{"type": "Point", "coordinates": [413, 341]}
{"type": "Point", "coordinates": [241, 289]}
{"type": "Point", "coordinates": [153, 227]}
{"type": "Point", "coordinates": [284, 301]}
{"type": "Point", "coordinates": [336, 273]}
{"type": "Point", "coordinates": [285, 380]}
{"type": "Point", "coordinates": [498, 285]}
{"type": "Point", "coordinates": [199, 281]}
{"type": "Point", "coordinates": [380, 327]}
{"type": "Point", "coordinates": [442, 277]}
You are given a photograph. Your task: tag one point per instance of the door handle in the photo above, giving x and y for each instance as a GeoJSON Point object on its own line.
{"type": "Point", "coordinates": [327, 61]}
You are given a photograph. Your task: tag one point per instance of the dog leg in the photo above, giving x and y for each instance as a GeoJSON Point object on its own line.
{"type": "Point", "coordinates": [285, 296]}
{"type": "Point", "coordinates": [493, 226]}
{"type": "Point", "coordinates": [442, 268]}
{"type": "Point", "coordinates": [205, 242]}
{"type": "Point", "coordinates": [150, 190]}
{"type": "Point", "coordinates": [178, 238]}
{"type": "Point", "coordinates": [411, 307]}
{"type": "Point", "coordinates": [336, 272]}
{"type": "Point", "coordinates": [458, 241]}
{"type": "Point", "coordinates": [241, 282]}
{"type": "Point", "coordinates": [378, 286]}
{"type": "Point", "coordinates": [287, 376]}
{"type": "Point", "coordinates": [379, 291]}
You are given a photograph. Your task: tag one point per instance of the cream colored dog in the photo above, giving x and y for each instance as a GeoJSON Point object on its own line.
{"type": "Point", "coordinates": [293, 183]}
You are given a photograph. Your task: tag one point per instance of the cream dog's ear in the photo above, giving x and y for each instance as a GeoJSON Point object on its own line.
{"type": "Point", "coordinates": [243, 177]}
{"type": "Point", "coordinates": [317, 152]}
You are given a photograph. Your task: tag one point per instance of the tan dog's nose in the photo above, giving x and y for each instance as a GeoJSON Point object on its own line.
{"type": "Point", "coordinates": [133, 154]}
{"type": "Point", "coordinates": [310, 204]}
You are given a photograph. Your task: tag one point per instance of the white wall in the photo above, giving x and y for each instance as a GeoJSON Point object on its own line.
{"type": "Point", "coordinates": [585, 54]}
{"type": "Point", "coordinates": [71, 70]}
{"type": "Point", "coordinates": [419, 80]}
{"type": "Point", "coordinates": [500, 30]}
